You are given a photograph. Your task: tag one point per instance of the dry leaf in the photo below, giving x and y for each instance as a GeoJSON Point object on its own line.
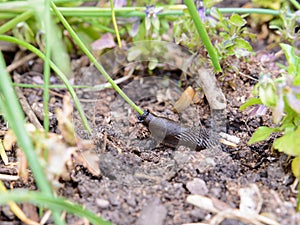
{"type": "Point", "coordinates": [22, 165]}
{"type": "Point", "coordinates": [106, 41]}
{"type": "Point", "coordinates": [3, 154]}
{"type": "Point", "coordinates": [9, 140]}
{"type": "Point", "coordinates": [90, 161]}
{"type": "Point", "coordinates": [185, 99]}
{"type": "Point", "coordinates": [64, 118]}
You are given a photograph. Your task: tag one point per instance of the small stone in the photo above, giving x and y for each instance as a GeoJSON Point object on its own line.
{"type": "Point", "coordinates": [152, 213]}
{"type": "Point", "coordinates": [102, 203]}
{"type": "Point", "coordinates": [197, 187]}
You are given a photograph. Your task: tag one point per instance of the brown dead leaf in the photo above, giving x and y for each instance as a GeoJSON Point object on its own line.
{"type": "Point", "coordinates": [22, 165]}
{"type": "Point", "coordinates": [64, 118]}
{"type": "Point", "coordinates": [88, 156]}
{"type": "Point", "coordinates": [199, 95]}
{"type": "Point", "coordinates": [185, 99]}
{"type": "Point", "coordinates": [3, 153]}
{"type": "Point", "coordinates": [90, 161]}
{"type": "Point", "coordinates": [106, 41]}
{"type": "Point", "coordinates": [9, 140]}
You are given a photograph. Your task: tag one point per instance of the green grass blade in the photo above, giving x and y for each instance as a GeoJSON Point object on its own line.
{"type": "Point", "coordinates": [113, 17]}
{"type": "Point", "coordinates": [12, 23]}
{"type": "Point", "coordinates": [93, 60]}
{"type": "Point", "coordinates": [53, 203]}
{"type": "Point", "coordinates": [15, 118]}
{"type": "Point", "coordinates": [203, 34]}
{"type": "Point", "coordinates": [59, 73]}
{"type": "Point", "coordinates": [48, 49]}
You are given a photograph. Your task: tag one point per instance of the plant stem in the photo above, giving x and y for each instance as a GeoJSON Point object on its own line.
{"type": "Point", "coordinates": [11, 9]}
{"type": "Point", "coordinates": [168, 11]}
{"type": "Point", "coordinates": [59, 73]}
{"type": "Point", "coordinates": [46, 96]}
{"type": "Point", "coordinates": [12, 23]}
{"type": "Point", "coordinates": [50, 86]}
{"type": "Point", "coordinates": [203, 34]}
{"type": "Point", "coordinates": [115, 23]}
{"type": "Point", "coordinates": [93, 59]}
{"type": "Point", "coordinates": [250, 11]}
{"type": "Point", "coordinates": [296, 4]}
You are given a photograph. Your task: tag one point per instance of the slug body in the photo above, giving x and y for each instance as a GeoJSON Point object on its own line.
{"type": "Point", "coordinates": [171, 133]}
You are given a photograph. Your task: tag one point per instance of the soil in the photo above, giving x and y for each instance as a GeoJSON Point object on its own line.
{"type": "Point", "coordinates": [145, 182]}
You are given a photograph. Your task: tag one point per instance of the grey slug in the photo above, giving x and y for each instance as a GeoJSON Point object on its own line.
{"type": "Point", "coordinates": [171, 133]}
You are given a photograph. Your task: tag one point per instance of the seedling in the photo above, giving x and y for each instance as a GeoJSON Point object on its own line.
{"type": "Point", "coordinates": [282, 97]}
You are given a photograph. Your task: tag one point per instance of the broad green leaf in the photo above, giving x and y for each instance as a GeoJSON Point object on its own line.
{"type": "Point", "coordinates": [262, 133]}
{"type": "Point", "coordinates": [250, 102]}
{"type": "Point", "coordinates": [292, 59]}
{"type": "Point", "coordinates": [289, 143]}
{"type": "Point", "coordinates": [228, 43]}
{"type": "Point", "coordinates": [242, 43]}
{"type": "Point", "coordinates": [237, 20]}
{"type": "Point", "coordinates": [267, 94]}
{"type": "Point", "coordinates": [296, 166]}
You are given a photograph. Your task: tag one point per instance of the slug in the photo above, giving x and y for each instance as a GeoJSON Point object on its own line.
{"type": "Point", "coordinates": [172, 133]}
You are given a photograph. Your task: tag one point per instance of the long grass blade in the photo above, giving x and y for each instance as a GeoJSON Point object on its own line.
{"type": "Point", "coordinates": [59, 73]}
{"type": "Point", "coordinates": [57, 203]}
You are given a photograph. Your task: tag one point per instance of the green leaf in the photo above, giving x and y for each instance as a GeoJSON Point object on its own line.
{"type": "Point", "coordinates": [155, 22]}
{"type": "Point", "coordinates": [289, 143]}
{"type": "Point", "coordinates": [54, 203]}
{"type": "Point", "coordinates": [147, 23]}
{"type": "Point", "coordinates": [292, 59]}
{"type": "Point", "coordinates": [296, 166]}
{"type": "Point", "coordinates": [237, 20]}
{"type": "Point", "coordinates": [242, 43]}
{"type": "Point", "coordinates": [262, 133]}
{"type": "Point", "coordinates": [215, 12]}
{"type": "Point", "coordinates": [250, 102]}
{"type": "Point", "coordinates": [152, 63]}
{"type": "Point", "coordinates": [267, 94]}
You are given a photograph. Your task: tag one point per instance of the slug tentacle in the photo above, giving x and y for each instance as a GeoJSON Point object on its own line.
{"type": "Point", "coordinates": [172, 133]}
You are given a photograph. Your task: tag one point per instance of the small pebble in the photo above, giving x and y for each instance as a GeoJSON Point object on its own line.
{"type": "Point", "coordinates": [197, 187]}
{"type": "Point", "coordinates": [102, 203]}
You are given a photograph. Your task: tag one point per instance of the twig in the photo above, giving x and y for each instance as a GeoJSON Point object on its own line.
{"type": "Point", "coordinates": [108, 85]}
{"type": "Point", "coordinates": [26, 107]}
{"type": "Point", "coordinates": [245, 75]}
{"type": "Point", "coordinates": [20, 62]}
{"type": "Point", "coordinates": [215, 98]}
{"type": "Point", "coordinates": [9, 177]}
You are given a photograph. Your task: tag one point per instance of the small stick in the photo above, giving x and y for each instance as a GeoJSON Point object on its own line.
{"type": "Point", "coordinates": [25, 106]}
{"type": "Point", "coordinates": [20, 62]}
{"type": "Point", "coordinates": [9, 177]}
